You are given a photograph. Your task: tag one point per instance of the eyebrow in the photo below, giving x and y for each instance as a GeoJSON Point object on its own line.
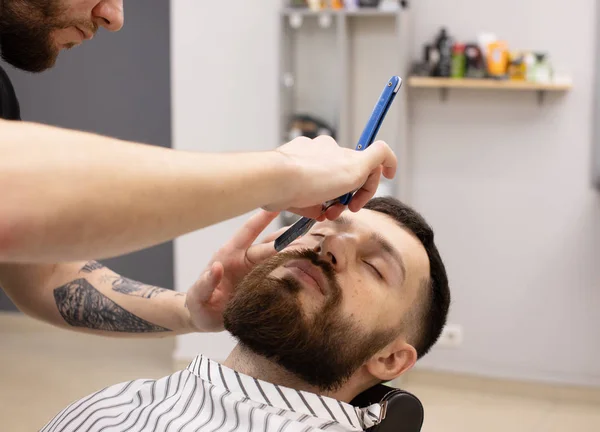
{"type": "Point", "coordinates": [342, 220]}
{"type": "Point", "coordinates": [381, 241]}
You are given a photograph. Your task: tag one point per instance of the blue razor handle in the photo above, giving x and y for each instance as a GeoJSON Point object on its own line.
{"type": "Point", "coordinates": [374, 124]}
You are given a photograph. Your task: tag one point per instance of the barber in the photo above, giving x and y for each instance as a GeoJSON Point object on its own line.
{"type": "Point", "coordinates": [72, 196]}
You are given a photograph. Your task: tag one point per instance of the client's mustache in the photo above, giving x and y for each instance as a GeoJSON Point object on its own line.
{"type": "Point", "coordinates": [315, 259]}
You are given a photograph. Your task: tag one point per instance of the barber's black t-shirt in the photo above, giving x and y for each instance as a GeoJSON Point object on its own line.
{"type": "Point", "coordinates": [9, 104]}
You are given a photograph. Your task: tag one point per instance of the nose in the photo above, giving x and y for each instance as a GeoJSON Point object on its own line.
{"type": "Point", "coordinates": [335, 249]}
{"type": "Point", "coordinates": [109, 14]}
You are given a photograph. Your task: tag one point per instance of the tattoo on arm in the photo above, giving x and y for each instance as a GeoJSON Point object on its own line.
{"type": "Point", "coordinates": [124, 285]}
{"type": "Point", "coordinates": [134, 288]}
{"type": "Point", "coordinates": [82, 305]}
{"type": "Point", "coordinates": [91, 266]}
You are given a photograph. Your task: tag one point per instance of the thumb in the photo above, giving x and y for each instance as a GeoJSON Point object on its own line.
{"type": "Point", "coordinates": [216, 274]}
{"type": "Point", "coordinates": [209, 281]}
{"type": "Point", "coordinates": [379, 153]}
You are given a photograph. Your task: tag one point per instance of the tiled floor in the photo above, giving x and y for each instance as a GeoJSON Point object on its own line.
{"type": "Point", "coordinates": [43, 369]}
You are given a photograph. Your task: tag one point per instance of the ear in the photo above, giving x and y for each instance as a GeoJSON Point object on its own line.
{"type": "Point", "coordinates": [392, 361]}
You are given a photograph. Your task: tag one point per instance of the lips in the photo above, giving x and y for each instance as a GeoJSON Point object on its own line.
{"type": "Point", "coordinates": [312, 271]}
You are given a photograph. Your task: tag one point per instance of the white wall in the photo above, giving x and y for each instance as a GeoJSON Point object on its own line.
{"type": "Point", "coordinates": [223, 68]}
{"type": "Point", "coordinates": [504, 182]}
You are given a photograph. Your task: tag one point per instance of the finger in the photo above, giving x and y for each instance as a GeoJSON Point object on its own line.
{"type": "Point", "coordinates": [260, 252]}
{"type": "Point", "coordinates": [252, 229]}
{"type": "Point", "coordinates": [366, 192]}
{"type": "Point", "coordinates": [379, 153]}
{"type": "Point", "coordinates": [311, 212]}
{"type": "Point", "coordinates": [335, 211]}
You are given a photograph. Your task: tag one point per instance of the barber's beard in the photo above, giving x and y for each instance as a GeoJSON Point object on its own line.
{"type": "Point", "coordinates": [26, 28]}
{"type": "Point", "coordinates": [267, 317]}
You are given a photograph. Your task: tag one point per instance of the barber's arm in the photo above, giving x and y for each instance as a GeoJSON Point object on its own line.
{"type": "Point", "coordinates": [89, 297]}
{"type": "Point", "coordinates": [69, 195]}
{"type": "Point", "coordinates": [86, 296]}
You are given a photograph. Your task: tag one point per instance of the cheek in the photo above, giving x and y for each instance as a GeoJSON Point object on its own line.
{"type": "Point", "coordinates": [359, 301]}
{"type": "Point", "coordinates": [367, 305]}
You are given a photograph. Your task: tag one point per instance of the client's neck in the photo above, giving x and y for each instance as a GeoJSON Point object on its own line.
{"type": "Point", "coordinates": [248, 363]}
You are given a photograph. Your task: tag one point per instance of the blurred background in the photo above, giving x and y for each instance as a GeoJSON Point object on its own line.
{"type": "Point", "coordinates": [495, 128]}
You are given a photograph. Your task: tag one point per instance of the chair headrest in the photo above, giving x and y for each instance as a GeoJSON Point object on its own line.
{"type": "Point", "coordinates": [403, 411]}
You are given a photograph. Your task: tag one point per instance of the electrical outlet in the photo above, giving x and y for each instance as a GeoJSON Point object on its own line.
{"type": "Point", "coordinates": [452, 336]}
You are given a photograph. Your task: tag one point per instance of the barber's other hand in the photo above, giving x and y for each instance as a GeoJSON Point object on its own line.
{"type": "Point", "coordinates": [321, 170]}
{"type": "Point", "coordinates": [208, 297]}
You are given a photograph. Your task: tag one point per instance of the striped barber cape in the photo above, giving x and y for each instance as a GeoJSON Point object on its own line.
{"type": "Point", "coordinates": [207, 396]}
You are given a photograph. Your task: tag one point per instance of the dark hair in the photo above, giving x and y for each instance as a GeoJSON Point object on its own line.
{"type": "Point", "coordinates": [431, 311]}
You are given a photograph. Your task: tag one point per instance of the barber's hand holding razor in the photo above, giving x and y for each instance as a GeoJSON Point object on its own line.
{"type": "Point", "coordinates": [208, 297]}
{"type": "Point", "coordinates": [325, 171]}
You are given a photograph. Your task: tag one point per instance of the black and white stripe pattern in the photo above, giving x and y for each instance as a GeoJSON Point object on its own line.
{"type": "Point", "coordinates": [209, 397]}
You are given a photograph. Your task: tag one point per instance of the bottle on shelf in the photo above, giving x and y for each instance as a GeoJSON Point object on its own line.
{"type": "Point", "coordinates": [530, 62]}
{"type": "Point", "coordinates": [444, 48]}
{"type": "Point", "coordinates": [497, 59]}
{"type": "Point", "coordinates": [543, 69]}
{"type": "Point", "coordinates": [517, 69]}
{"type": "Point", "coordinates": [475, 64]}
{"type": "Point", "coordinates": [459, 61]}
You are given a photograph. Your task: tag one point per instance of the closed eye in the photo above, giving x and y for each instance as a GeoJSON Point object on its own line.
{"type": "Point", "coordinates": [374, 269]}
{"type": "Point", "coordinates": [317, 235]}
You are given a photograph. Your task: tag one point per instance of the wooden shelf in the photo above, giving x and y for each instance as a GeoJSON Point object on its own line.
{"type": "Point", "coordinates": [375, 12]}
{"type": "Point", "coordinates": [444, 84]}
{"type": "Point", "coordinates": [489, 84]}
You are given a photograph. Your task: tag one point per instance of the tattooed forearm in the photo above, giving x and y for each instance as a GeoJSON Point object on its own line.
{"type": "Point", "coordinates": [91, 266]}
{"type": "Point", "coordinates": [82, 305]}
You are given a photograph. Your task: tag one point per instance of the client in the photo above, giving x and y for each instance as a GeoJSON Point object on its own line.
{"type": "Point", "coordinates": [353, 303]}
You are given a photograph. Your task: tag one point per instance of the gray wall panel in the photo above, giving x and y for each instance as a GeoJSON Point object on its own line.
{"type": "Point", "coordinates": [117, 84]}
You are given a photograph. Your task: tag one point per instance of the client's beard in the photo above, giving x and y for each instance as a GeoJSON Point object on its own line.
{"type": "Point", "coordinates": [25, 33]}
{"type": "Point", "coordinates": [266, 316]}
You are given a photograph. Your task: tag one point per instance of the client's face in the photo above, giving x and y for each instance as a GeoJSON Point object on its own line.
{"type": "Point", "coordinates": [332, 299]}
